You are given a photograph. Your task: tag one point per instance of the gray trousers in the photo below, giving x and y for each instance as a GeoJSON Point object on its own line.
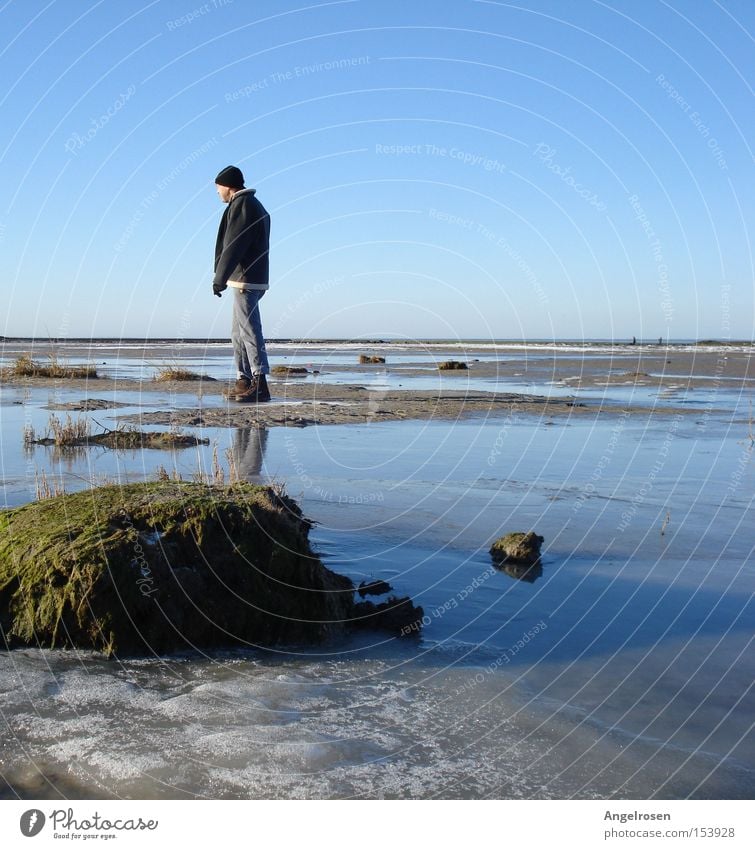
{"type": "Point", "coordinates": [249, 351]}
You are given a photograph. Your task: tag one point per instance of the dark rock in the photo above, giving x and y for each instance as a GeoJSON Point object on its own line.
{"type": "Point", "coordinates": [373, 588]}
{"type": "Point", "coordinates": [398, 616]}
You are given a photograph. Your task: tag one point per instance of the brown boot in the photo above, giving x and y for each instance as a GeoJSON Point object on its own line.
{"type": "Point", "coordinates": [263, 392]}
{"type": "Point", "coordinates": [257, 393]}
{"type": "Point", "coordinates": [241, 385]}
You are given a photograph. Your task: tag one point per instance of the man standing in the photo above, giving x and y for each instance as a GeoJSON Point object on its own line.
{"type": "Point", "coordinates": [241, 263]}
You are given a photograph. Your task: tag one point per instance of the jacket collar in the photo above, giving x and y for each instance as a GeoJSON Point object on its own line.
{"type": "Point", "coordinates": [241, 192]}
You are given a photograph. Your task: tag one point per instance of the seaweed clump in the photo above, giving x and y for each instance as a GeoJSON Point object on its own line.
{"type": "Point", "coordinates": [452, 365]}
{"type": "Point", "coordinates": [163, 566]}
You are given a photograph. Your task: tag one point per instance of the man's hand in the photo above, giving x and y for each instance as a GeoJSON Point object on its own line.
{"type": "Point", "coordinates": [217, 289]}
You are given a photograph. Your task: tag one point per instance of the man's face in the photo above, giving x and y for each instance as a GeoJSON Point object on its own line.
{"type": "Point", "coordinates": [224, 193]}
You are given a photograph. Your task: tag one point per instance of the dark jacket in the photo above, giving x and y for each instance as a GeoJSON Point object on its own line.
{"type": "Point", "coordinates": [243, 244]}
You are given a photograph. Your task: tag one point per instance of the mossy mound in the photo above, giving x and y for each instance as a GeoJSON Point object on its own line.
{"type": "Point", "coordinates": [164, 566]}
{"type": "Point", "coordinates": [364, 359]}
{"type": "Point", "coordinates": [125, 438]}
{"type": "Point", "coordinates": [289, 371]}
{"type": "Point", "coordinates": [519, 549]}
{"type": "Point", "coordinates": [452, 365]}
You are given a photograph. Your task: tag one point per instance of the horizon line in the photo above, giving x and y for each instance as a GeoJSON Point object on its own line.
{"type": "Point", "coordinates": [623, 340]}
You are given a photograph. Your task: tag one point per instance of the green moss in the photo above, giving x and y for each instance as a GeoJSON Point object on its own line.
{"type": "Point", "coordinates": [517, 547]}
{"type": "Point", "coordinates": [158, 566]}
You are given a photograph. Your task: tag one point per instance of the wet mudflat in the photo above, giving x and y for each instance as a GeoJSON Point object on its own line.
{"type": "Point", "coordinates": [622, 668]}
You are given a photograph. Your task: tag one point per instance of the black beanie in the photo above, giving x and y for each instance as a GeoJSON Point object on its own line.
{"type": "Point", "coordinates": [230, 177]}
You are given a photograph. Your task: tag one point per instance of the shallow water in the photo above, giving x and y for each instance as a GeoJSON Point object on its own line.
{"type": "Point", "coordinates": [414, 367]}
{"type": "Point", "coordinates": [380, 723]}
{"type": "Point", "coordinates": [626, 668]}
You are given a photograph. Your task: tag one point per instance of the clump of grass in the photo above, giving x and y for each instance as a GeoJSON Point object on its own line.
{"type": "Point", "coordinates": [44, 489]}
{"type": "Point", "coordinates": [233, 468]}
{"type": "Point", "coordinates": [289, 371]}
{"type": "Point", "coordinates": [59, 433]}
{"type": "Point", "coordinates": [25, 366]}
{"type": "Point", "coordinates": [366, 358]}
{"type": "Point", "coordinates": [75, 433]}
{"type": "Point", "coordinates": [214, 478]}
{"type": "Point", "coordinates": [218, 474]}
{"type": "Point", "coordinates": [162, 474]}
{"type": "Point", "coordinates": [168, 373]}
{"type": "Point", "coordinates": [452, 365]}
{"type": "Point", "coordinates": [71, 431]}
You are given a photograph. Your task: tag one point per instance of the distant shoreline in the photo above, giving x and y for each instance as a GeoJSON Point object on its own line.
{"type": "Point", "coordinates": [139, 340]}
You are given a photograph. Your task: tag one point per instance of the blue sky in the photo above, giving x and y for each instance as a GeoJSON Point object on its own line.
{"type": "Point", "coordinates": [464, 169]}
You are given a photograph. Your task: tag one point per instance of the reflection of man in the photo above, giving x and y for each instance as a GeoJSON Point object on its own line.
{"type": "Point", "coordinates": [241, 262]}
{"type": "Point", "coordinates": [249, 450]}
